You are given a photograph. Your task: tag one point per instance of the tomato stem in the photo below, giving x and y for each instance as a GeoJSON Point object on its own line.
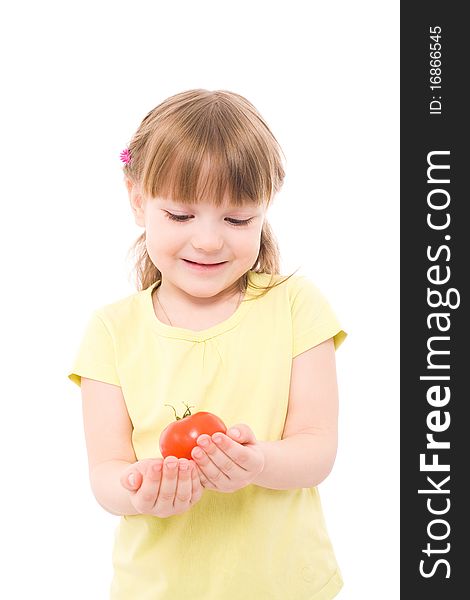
{"type": "Point", "coordinates": [187, 412]}
{"type": "Point", "coordinates": [177, 418]}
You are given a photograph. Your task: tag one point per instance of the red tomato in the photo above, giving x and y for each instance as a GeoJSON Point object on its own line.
{"type": "Point", "coordinates": [180, 437]}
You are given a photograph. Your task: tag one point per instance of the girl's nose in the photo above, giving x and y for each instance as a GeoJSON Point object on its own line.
{"type": "Point", "coordinates": [208, 240]}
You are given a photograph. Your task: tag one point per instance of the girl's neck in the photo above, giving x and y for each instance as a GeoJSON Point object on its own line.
{"type": "Point", "coordinates": [195, 315]}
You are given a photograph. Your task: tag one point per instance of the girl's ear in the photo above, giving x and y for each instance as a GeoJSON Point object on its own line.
{"type": "Point", "coordinates": [128, 183]}
{"type": "Point", "coordinates": [136, 202]}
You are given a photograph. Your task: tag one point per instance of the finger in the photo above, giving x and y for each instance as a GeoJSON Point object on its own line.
{"type": "Point", "coordinates": [169, 482]}
{"type": "Point", "coordinates": [210, 461]}
{"type": "Point", "coordinates": [196, 486]}
{"type": "Point", "coordinates": [240, 454]}
{"type": "Point", "coordinates": [131, 479]}
{"type": "Point", "coordinates": [203, 480]}
{"type": "Point", "coordinates": [146, 495]}
{"type": "Point", "coordinates": [184, 485]}
{"type": "Point", "coordinates": [246, 434]}
{"type": "Point", "coordinates": [226, 455]}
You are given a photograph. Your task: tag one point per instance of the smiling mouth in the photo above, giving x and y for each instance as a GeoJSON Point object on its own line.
{"type": "Point", "coordinates": [205, 264]}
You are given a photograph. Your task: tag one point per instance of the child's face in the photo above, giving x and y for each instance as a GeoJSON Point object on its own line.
{"type": "Point", "coordinates": [205, 234]}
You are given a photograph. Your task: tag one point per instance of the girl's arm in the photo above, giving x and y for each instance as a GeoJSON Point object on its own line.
{"type": "Point", "coordinates": [108, 431]}
{"type": "Point", "coordinates": [306, 453]}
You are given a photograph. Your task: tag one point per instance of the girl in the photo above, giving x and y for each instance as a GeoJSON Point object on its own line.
{"type": "Point", "coordinates": [216, 327]}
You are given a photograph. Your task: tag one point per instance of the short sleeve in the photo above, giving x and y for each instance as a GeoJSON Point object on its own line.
{"type": "Point", "coordinates": [96, 357]}
{"type": "Point", "coordinates": [313, 319]}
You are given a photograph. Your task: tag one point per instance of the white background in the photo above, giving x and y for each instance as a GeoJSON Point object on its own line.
{"type": "Point", "coordinates": [77, 80]}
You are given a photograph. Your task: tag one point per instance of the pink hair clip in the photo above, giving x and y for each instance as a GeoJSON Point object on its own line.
{"type": "Point", "coordinates": [125, 156]}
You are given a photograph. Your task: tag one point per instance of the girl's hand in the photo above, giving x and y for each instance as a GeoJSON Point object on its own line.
{"type": "Point", "coordinates": [162, 491]}
{"type": "Point", "coordinates": [228, 465]}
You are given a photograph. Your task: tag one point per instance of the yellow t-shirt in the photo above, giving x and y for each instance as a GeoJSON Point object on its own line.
{"type": "Point", "coordinates": [253, 544]}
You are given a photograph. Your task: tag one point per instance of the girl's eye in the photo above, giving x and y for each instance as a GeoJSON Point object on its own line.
{"type": "Point", "coordinates": [236, 222]}
{"type": "Point", "coordinates": [182, 218]}
{"type": "Point", "coordinates": [176, 217]}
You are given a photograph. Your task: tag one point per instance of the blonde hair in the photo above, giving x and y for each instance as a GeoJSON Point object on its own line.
{"type": "Point", "coordinates": [196, 129]}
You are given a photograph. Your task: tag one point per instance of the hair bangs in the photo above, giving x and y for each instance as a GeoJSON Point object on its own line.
{"type": "Point", "coordinates": [209, 156]}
